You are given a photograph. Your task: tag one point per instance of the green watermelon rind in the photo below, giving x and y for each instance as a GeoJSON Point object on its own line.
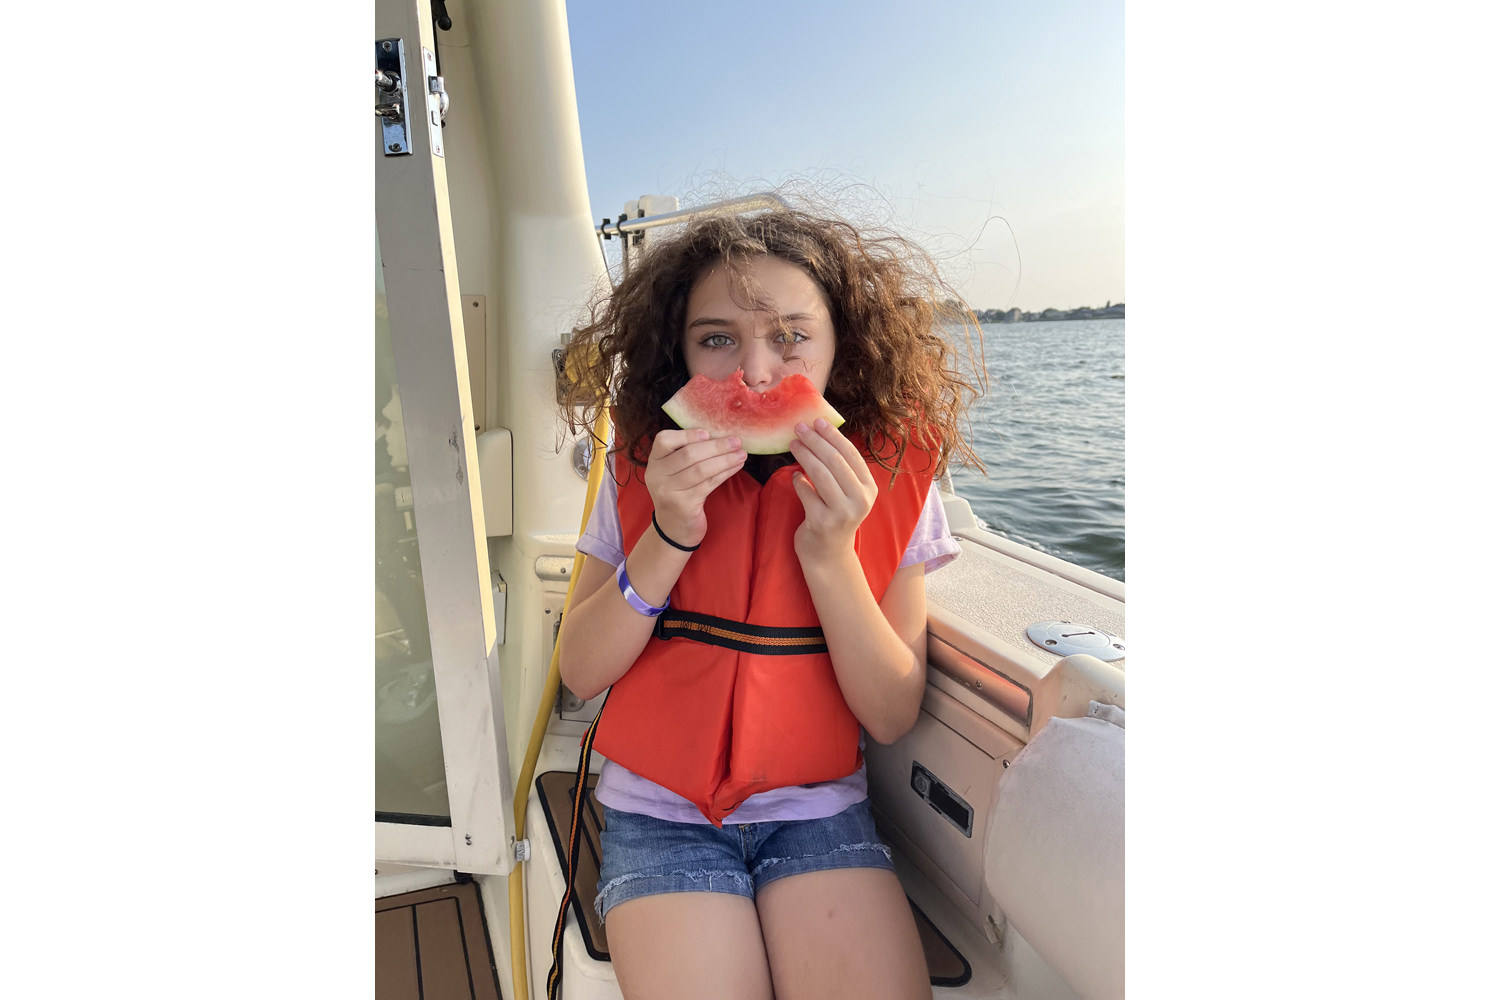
{"type": "Point", "coordinates": [697, 405]}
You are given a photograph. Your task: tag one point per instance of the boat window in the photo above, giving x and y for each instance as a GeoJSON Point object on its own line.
{"type": "Point", "coordinates": [410, 781]}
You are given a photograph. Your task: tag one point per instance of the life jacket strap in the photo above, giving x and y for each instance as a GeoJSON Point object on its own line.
{"type": "Point", "coordinates": [771, 640]}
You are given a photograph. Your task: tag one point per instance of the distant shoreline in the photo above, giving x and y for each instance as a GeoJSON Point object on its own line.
{"type": "Point", "coordinates": [1111, 310]}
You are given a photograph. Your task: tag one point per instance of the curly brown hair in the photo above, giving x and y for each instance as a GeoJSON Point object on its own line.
{"type": "Point", "coordinates": [896, 374]}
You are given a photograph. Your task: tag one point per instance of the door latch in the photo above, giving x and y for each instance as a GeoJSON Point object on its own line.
{"type": "Point", "coordinates": [437, 101]}
{"type": "Point", "coordinates": [391, 105]}
{"type": "Point", "coordinates": [392, 102]}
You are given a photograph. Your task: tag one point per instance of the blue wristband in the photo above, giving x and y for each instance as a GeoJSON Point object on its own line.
{"type": "Point", "coordinates": [635, 600]}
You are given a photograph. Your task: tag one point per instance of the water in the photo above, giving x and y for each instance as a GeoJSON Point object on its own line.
{"type": "Point", "coordinates": [1051, 432]}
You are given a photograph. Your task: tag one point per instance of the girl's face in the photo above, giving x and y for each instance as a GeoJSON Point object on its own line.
{"type": "Point", "coordinates": [783, 329]}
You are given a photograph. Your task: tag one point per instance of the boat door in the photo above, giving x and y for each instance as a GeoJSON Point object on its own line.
{"type": "Point", "coordinates": [443, 794]}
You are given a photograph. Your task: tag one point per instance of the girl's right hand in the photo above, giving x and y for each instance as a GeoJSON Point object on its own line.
{"type": "Point", "coordinates": [684, 467]}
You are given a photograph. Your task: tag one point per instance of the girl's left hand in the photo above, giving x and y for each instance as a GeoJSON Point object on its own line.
{"type": "Point", "coordinates": [835, 487]}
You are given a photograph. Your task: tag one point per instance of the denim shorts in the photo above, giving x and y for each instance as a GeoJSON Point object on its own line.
{"type": "Point", "coordinates": [645, 856]}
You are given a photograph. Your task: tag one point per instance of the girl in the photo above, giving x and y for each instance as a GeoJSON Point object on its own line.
{"type": "Point", "coordinates": [752, 616]}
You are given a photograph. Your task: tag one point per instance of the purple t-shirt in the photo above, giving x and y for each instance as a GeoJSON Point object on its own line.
{"type": "Point", "coordinates": [620, 788]}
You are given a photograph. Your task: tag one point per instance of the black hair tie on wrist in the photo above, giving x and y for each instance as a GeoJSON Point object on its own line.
{"type": "Point", "coordinates": [676, 545]}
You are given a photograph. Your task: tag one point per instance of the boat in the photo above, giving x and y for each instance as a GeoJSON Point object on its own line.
{"type": "Point", "coordinates": [1004, 805]}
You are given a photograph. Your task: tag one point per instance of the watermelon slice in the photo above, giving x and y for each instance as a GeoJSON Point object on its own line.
{"type": "Point", "coordinates": [765, 422]}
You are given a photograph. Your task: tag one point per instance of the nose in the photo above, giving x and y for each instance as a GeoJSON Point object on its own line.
{"type": "Point", "coordinates": [762, 362]}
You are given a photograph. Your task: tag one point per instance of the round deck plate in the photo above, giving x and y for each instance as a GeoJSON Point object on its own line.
{"type": "Point", "coordinates": [1067, 638]}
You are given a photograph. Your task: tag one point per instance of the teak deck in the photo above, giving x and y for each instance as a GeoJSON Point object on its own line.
{"type": "Point", "coordinates": [431, 945]}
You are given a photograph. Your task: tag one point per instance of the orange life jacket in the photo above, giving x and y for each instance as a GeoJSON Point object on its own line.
{"type": "Point", "coordinates": [734, 692]}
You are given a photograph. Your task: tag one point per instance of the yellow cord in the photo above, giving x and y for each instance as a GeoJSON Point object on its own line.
{"type": "Point", "coordinates": [539, 728]}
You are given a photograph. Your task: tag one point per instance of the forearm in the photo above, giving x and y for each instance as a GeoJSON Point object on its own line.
{"type": "Point", "coordinates": [602, 634]}
{"type": "Point", "coordinates": [880, 672]}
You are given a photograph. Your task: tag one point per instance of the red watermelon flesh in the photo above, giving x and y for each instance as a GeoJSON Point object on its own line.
{"type": "Point", "coordinates": [765, 422]}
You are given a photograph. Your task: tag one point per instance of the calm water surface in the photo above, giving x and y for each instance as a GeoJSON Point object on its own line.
{"type": "Point", "coordinates": [1051, 433]}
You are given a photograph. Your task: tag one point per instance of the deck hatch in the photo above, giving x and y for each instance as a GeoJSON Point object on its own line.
{"type": "Point", "coordinates": [1066, 638]}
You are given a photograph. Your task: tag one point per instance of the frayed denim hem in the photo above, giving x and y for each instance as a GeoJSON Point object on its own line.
{"type": "Point", "coordinates": [868, 847]}
{"type": "Point", "coordinates": [741, 881]}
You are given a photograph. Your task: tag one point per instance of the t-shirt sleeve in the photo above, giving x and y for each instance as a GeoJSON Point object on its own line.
{"type": "Point", "coordinates": [602, 537]}
{"type": "Point", "coordinates": [931, 542]}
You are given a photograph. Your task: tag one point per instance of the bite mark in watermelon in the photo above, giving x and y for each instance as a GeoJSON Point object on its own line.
{"type": "Point", "coordinates": [765, 422]}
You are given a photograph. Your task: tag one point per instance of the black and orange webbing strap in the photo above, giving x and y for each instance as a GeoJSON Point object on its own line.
{"type": "Point", "coordinates": [575, 837]}
{"type": "Point", "coordinates": [768, 640]}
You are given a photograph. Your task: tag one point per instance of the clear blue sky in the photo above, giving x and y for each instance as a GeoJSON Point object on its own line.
{"type": "Point", "coordinates": [956, 114]}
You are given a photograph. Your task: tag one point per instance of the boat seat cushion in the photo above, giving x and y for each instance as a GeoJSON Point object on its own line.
{"type": "Point", "coordinates": [1055, 850]}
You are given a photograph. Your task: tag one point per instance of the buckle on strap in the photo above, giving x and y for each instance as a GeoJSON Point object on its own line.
{"type": "Point", "coordinates": [771, 640]}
